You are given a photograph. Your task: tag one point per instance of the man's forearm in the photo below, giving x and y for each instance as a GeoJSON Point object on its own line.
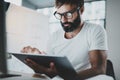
{"type": "Point", "coordinates": [90, 73]}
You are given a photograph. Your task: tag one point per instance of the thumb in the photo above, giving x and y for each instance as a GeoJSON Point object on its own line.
{"type": "Point", "coordinates": [52, 65]}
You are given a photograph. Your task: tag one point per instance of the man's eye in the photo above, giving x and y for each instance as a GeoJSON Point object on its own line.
{"type": "Point", "coordinates": [68, 14]}
{"type": "Point", "coordinates": [58, 16]}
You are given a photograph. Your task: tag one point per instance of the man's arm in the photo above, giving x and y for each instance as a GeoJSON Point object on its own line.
{"type": "Point", "coordinates": [97, 59]}
{"type": "Point", "coordinates": [50, 71]}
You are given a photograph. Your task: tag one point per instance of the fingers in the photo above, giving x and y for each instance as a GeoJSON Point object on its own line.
{"type": "Point", "coordinates": [36, 67]}
{"type": "Point", "coordinates": [53, 68]}
{"type": "Point", "coordinates": [35, 50]}
{"type": "Point", "coordinates": [36, 75]}
{"type": "Point", "coordinates": [51, 71]}
{"type": "Point", "coordinates": [30, 63]}
{"type": "Point", "coordinates": [29, 49]}
{"type": "Point", "coordinates": [26, 49]}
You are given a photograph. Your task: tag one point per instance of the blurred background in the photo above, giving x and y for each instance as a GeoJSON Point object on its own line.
{"type": "Point", "coordinates": [30, 22]}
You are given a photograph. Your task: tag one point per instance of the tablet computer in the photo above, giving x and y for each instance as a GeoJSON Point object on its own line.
{"type": "Point", "coordinates": [62, 63]}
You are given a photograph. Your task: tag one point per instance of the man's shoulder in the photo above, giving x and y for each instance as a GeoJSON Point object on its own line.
{"type": "Point", "coordinates": [93, 26]}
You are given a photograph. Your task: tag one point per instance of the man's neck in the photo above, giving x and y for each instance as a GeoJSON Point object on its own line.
{"type": "Point", "coordinates": [69, 35]}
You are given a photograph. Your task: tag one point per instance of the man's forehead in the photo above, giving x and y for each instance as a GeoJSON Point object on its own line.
{"type": "Point", "coordinates": [65, 8]}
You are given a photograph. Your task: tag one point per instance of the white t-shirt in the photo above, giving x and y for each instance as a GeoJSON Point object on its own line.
{"type": "Point", "coordinates": [91, 37]}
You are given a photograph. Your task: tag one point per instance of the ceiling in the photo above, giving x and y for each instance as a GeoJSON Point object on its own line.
{"type": "Point", "coordinates": [35, 4]}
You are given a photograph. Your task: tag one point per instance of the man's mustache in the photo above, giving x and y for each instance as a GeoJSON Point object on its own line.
{"type": "Point", "coordinates": [67, 23]}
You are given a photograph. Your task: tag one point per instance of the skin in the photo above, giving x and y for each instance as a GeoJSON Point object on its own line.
{"type": "Point", "coordinates": [97, 58]}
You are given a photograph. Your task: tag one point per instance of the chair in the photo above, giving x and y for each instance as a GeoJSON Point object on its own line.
{"type": "Point", "coordinates": [110, 69]}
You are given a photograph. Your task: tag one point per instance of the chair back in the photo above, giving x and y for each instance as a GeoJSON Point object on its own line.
{"type": "Point", "coordinates": [110, 69]}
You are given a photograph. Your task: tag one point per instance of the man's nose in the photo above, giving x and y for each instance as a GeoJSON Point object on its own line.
{"type": "Point", "coordinates": [64, 19]}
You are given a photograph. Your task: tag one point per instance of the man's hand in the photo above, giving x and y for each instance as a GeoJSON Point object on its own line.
{"type": "Point", "coordinates": [49, 71]}
{"type": "Point", "coordinates": [29, 49]}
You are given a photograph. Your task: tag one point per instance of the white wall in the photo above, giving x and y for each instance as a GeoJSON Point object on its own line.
{"type": "Point", "coordinates": [25, 27]}
{"type": "Point", "coordinates": [17, 2]}
{"type": "Point", "coordinates": [113, 30]}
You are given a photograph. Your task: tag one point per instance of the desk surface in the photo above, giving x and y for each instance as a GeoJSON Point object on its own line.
{"type": "Point", "coordinates": [26, 76]}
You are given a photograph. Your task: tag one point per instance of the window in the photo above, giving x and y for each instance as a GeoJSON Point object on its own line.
{"type": "Point", "coordinates": [94, 12]}
{"type": "Point", "coordinates": [17, 2]}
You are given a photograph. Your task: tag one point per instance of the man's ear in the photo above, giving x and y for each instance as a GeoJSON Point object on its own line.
{"type": "Point", "coordinates": [82, 9]}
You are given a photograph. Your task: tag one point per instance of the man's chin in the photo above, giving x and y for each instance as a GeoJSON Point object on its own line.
{"type": "Point", "coordinates": [66, 27]}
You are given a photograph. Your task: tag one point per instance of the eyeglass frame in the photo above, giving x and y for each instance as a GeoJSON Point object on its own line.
{"type": "Point", "coordinates": [63, 14]}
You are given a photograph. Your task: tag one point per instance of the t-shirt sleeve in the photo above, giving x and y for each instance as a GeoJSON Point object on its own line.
{"type": "Point", "coordinates": [98, 39]}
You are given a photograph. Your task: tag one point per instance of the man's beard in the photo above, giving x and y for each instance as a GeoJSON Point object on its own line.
{"type": "Point", "coordinates": [72, 25]}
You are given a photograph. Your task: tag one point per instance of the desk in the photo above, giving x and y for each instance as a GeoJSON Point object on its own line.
{"type": "Point", "coordinates": [28, 76]}
{"type": "Point", "coordinates": [25, 76]}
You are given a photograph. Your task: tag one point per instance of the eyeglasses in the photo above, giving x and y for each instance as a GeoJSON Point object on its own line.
{"type": "Point", "coordinates": [67, 15]}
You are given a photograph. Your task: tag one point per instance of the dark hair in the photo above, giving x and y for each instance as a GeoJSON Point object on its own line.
{"type": "Point", "coordinates": [59, 3]}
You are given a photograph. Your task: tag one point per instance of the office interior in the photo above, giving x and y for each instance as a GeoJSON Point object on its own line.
{"type": "Point", "coordinates": [29, 23]}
